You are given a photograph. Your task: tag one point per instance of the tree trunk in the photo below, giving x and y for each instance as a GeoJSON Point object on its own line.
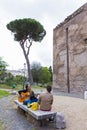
{"type": "Point", "coordinates": [29, 70]}
{"type": "Point", "coordinates": [26, 54]}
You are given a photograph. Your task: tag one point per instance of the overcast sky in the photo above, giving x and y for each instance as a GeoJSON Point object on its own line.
{"type": "Point", "coordinates": [48, 12]}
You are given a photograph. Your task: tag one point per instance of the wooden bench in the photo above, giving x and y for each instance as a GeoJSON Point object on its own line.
{"type": "Point", "coordinates": [38, 114]}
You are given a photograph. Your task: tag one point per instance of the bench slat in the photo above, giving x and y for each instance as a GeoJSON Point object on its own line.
{"type": "Point", "coordinates": [38, 114]}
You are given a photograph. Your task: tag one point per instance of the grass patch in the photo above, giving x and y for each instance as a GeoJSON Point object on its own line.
{"type": "Point", "coordinates": [4, 93]}
{"type": "Point", "coordinates": [1, 125]}
{"type": "Point", "coordinates": [5, 86]}
{"type": "Point", "coordinates": [19, 87]}
{"type": "Point", "coordinates": [35, 88]}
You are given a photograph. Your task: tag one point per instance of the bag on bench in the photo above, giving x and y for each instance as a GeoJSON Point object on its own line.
{"type": "Point", "coordinates": [60, 121]}
{"type": "Point", "coordinates": [33, 106]}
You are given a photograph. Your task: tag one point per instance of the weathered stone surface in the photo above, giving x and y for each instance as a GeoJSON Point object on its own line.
{"type": "Point", "coordinates": [77, 48]}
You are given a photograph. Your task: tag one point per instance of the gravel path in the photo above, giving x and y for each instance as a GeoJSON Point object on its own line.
{"type": "Point", "coordinates": [10, 118]}
{"type": "Point", "coordinates": [74, 109]}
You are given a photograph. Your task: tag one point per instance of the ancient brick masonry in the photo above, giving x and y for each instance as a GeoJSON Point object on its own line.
{"type": "Point", "coordinates": [77, 52]}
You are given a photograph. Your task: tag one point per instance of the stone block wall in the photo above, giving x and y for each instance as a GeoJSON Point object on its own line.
{"type": "Point", "coordinates": [77, 48]}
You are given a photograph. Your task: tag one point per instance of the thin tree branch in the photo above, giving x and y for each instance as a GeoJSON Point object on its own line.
{"type": "Point", "coordinates": [30, 41]}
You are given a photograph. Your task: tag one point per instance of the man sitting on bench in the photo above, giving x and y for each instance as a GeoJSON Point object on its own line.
{"type": "Point", "coordinates": [46, 100]}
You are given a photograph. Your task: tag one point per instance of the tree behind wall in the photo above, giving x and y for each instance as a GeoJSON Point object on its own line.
{"type": "Point", "coordinates": [50, 69]}
{"type": "Point", "coordinates": [40, 74]}
{"type": "Point", "coordinates": [25, 32]}
{"type": "Point", "coordinates": [3, 66]}
{"type": "Point", "coordinates": [35, 69]}
{"type": "Point", "coordinates": [44, 75]}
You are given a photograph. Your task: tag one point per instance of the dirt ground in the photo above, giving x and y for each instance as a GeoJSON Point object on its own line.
{"type": "Point", "coordinates": [74, 110]}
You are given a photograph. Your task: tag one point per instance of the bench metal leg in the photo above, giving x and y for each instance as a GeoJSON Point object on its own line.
{"type": "Point", "coordinates": [41, 123]}
{"type": "Point", "coordinates": [54, 120]}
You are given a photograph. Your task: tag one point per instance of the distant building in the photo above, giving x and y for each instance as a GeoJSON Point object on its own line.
{"type": "Point", "coordinates": [70, 53]}
{"type": "Point", "coordinates": [18, 72]}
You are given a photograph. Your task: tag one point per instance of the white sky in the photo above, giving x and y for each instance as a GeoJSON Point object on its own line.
{"type": "Point", "coordinates": [48, 12]}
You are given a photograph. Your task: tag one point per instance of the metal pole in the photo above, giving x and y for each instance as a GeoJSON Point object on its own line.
{"type": "Point", "coordinates": [67, 48]}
